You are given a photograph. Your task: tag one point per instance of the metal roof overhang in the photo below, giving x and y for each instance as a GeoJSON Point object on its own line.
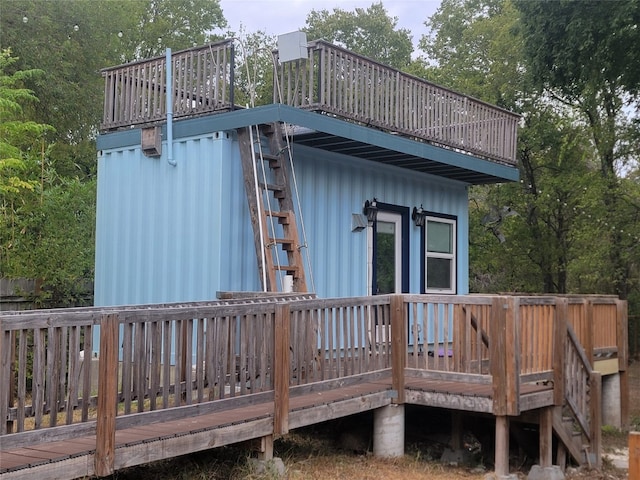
{"type": "Point", "coordinates": [330, 133]}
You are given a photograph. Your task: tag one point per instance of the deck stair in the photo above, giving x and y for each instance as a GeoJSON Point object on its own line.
{"type": "Point", "coordinates": [577, 422]}
{"type": "Point", "coordinates": [271, 206]}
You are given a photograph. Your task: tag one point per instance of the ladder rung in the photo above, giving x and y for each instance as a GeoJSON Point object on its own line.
{"type": "Point", "coordinates": [274, 160]}
{"type": "Point", "coordinates": [283, 217]}
{"type": "Point", "coordinates": [287, 268]}
{"type": "Point", "coordinates": [272, 187]}
{"type": "Point", "coordinates": [287, 243]}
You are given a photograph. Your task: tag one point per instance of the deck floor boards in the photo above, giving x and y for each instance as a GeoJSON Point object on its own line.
{"type": "Point", "coordinates": [305, 403]}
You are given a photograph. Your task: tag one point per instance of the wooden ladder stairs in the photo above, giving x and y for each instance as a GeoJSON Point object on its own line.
{"type": "Point", "coordinates": [271, 207]}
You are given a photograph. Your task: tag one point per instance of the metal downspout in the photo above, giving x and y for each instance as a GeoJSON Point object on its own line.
{"type": "Point", "coordinates": [169, 84]}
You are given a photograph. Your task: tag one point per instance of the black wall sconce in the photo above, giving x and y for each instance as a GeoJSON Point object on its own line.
{"type": "Point", "coordinates": [370, 209]}
{"type": "Point", "coordinates": [418, 216]}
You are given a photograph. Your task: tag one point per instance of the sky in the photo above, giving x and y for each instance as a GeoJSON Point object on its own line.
{"type": "Point", "coordinates": [276, 17]}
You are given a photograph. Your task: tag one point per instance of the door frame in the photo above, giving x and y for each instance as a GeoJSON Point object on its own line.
{"type": "Point", "coordinates": [403, 213]}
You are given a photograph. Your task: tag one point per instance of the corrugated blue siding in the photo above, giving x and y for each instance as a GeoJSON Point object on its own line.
{"type": "Point", "coordinates": [182, 233]}
{"type": "Point", "coordinates": [161, 230]}
{"type": "Point", "coordinates": [332, 187]}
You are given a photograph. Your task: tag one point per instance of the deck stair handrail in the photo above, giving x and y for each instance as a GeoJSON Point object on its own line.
{"type": "Point", "coordinates": [202, 82]}
{"type": "Point", "coordinates": [340, 82]}
{"type": "Point", "coordinates": [578, 424]}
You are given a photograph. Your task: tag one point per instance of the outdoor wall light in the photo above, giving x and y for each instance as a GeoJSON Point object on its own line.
{"type": "Point", "coordinates": [418, 215]}
{"type": "Point", "coordinates": [370, 209]}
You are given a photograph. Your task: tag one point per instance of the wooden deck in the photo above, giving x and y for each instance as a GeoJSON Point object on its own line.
{"type": "Point", "coordinates": [175, 379]}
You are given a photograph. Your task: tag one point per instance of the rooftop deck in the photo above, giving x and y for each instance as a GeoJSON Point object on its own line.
{"type": "Point", "coordinates": [179, 378]}
{"type": "Point", "coordinates": [332, 81]}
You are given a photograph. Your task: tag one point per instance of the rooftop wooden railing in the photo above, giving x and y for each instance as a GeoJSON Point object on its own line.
{"type": "Point", "coordinates": [332, 80]}
{"type": "Point", "coordinates": [182, 359]}
{"type": "Point", "coordinates": [202, 82]}
{"type": "Point", "coordinates": [340, 82]}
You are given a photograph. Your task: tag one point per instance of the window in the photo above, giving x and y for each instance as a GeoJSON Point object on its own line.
{"type": "Point", "coordinates": [439, 268]}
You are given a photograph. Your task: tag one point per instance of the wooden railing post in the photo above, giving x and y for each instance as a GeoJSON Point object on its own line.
{"type": "Point", "coordinates": [497, 356]}
{"type": "Point", "coordinates": [595, 415]}
{"type": "Point", "coordinates": [460, 337]}
{"type": "Point", "coordinates": [107, 396]}
{"type": "Point", "coordinates": [559, 349]}
{"type": "Point", "coordinates": [622, 337]}
{"type": "Point", "coordinates": [587, 342]}
{"type": "Point", "coordinates": [5, 379]}
{"type": "Point", "coordinates": [399, 345]}
{"type": "Point", "coordinates": [282, 361]}
{"type": "Point", "coordinates": [512, 354]}
{"type": "Point", "coordinates": [634, 455]}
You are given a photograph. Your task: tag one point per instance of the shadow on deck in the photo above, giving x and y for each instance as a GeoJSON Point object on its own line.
{"type": "Point", "coordinates": [183, 378]}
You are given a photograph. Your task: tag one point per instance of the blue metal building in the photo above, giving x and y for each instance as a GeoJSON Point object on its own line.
{"type": "Point", "coordinates": [176, 225]}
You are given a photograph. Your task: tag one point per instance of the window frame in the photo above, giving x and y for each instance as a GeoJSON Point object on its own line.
{"type": "Point", "coordinates": [425, 255]}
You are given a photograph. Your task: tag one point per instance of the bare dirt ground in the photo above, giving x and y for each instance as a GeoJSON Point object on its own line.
{"type": "Point", "coordinates": [324, 453]}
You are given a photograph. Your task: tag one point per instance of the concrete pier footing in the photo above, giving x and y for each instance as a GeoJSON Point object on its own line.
{"type": "Point", "coordinates": [611, 407]}
{"type": "Point", "coordinates": [388, 431]}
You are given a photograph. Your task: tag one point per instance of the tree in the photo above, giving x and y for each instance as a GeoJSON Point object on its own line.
{"type": "Point", "coordinates": [178, 24]}
{"type": "Point", "coordinates": [71, 41]}
{"type": "Point", "coordinates": [369, 32]}
{"type": "Point", "coordinates": [532, 235]}
{"type": "Point", "coordinates": [16, 133]}
{"type": "Point", "coordinates": [254, 68]}
{"type": "Point", "coordinates": [46, 174]}
{"type": "Point", "coordinates": [470, 46]}
{"type": "Point", "coordinates": [578, 52]}
{"type": "Point", "coordinates": [18, 138]}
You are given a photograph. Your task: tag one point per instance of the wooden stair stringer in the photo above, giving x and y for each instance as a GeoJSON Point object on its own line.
{"type": "Point", "coordinates": [282, 248]}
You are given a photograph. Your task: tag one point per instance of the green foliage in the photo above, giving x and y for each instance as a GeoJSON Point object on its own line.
{"type": "Point", "coordinates": [470, 47]}
{"type": "Point", "coordinates": [158, 24]}
{"type": "Point", "coordinates": [554, 230]}
{"type": "Point", "coordinates": [47, 175]}
{"type": "Point", "coordinates": [46, 222]}
{"type": "Point", "coordinates": [576, 45]}
{"type": "Point", "coordinates": [369, 32]}
{"type": "Point", "coordinates": [254, 68]}
{"type": "Point", "coordinates": [16, 134]}
{"type": "Point", "coordinates": [70, 41]}
{"type": "Point", "coordinates": [578, 52]}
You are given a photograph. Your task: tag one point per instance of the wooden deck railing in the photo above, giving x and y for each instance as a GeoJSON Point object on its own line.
{"type": "Point", "coordinates": [340, 82]}
{"type": "Point", "coordinates": [332, 80]}
{"type": "Point", "coordinates": [336, 338]}
{"type": "Point", "coordinates": [202, 82]}
{"type": "Point", "coordinates": [174, 357]}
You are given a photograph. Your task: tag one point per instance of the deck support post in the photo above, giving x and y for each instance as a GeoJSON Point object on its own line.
{"type": "Point", "coordinates": [107, 395]}
{"type": "Point", "coordinates": [456, 431]}
{"type": "Point", "coordinates": [388, 431]}
{"type": "Point", "coordinates": [502, 446]}
{"type": "Point", "coordinates": [265, 450]}
{"type": "Point", "coordinates": [595, 415]}
{"type": "Point", "coordinates": [546, 437]}
{"type": "Point", "coordinates": [545, 470]}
